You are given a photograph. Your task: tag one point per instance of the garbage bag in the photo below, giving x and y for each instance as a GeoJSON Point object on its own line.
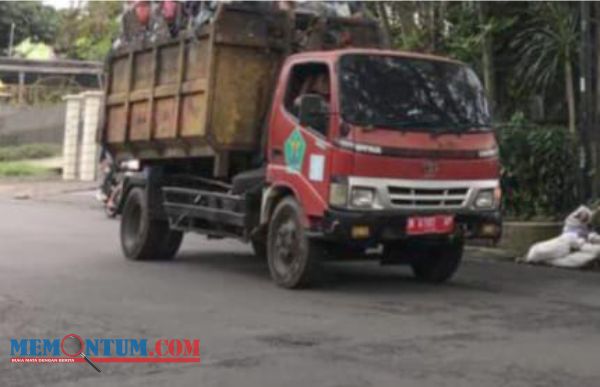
{"type": "Point", "coordinates": [576, 247]}
{"type": "Point", "coordinates": [578, 222]}
{"type": "Point", "coordinates": [552, 249]}
{"type": "Point", "coordinates": [583, 257]}
{"type": "Point", "coordinates": [593, 238]}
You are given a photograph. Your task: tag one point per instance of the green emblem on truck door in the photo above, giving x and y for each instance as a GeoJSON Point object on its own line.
{"type": "Point", "coordinates": [294, 149]}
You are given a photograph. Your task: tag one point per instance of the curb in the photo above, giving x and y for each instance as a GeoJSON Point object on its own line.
{"type": "Point", "coordinates": [490, 253]}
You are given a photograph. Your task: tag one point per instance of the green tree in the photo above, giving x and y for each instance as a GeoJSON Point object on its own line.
{"type": "Point", "coordinates": [87, 33]}
{"type": "Point", "coordinates": [546, 49]}
{"type": "Point", "coordinates": [31, 19]}
{"type": "Point", "coordinates": [471, 32]}
{"type": "Point", "coordinates": [479, 34]}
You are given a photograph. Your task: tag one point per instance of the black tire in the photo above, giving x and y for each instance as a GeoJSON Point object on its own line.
{"type": "Point", "coordinates": [144, 238]}
{"type": "Point", "coordinates": [171, 244]}
{"type": "Point", "coordinates": [291, 255]}
{"type": "Point", "coordinates": [438, 263]}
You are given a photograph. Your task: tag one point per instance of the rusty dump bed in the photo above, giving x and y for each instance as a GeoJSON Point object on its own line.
{"type": "Point", "coordinates": [195, 95]}
{"type": "Point", "coordinates": [207, 94]}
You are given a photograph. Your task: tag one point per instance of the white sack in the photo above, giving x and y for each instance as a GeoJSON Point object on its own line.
{"type": "Point", "coordinates": [576, 247]}
{"type": "Point", "coordinates": [593, 238]}
{"type": "Point", "coordinates": [575, 260]}
{"type": "Point", "coordinates": [578, 221]}
{"type": "Point", "coordinates": [551, 249]}
{"type": "Point", "coordinates": [591, 248]}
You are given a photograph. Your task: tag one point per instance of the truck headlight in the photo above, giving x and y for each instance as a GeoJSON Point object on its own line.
{"type": "Point", "coordinates": [362, 197]}
{"type": "Point", "coordinates": [338, 194]}
{"type": "Point", "coordinates": [485, 199]}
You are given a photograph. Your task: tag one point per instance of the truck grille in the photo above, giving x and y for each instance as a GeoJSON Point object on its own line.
{"type": "Point", "coordinates": [413, 197]}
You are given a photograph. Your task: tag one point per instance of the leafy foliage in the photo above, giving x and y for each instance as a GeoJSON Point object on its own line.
{"type": "Point", "coordinates": [87, 33]}
{"type": "Point", "coordinates": [76, 33]}
{"type": "Point", "coordinates": [543, 46]}
{"type": "Point", "coordinates": [464, 40]}
{"type": "Point", "coordinates": [32, 20]}
{"type": "Point", "coordinates": [460, 30]}
{"type": "Point", "coordinates": [539, 175]}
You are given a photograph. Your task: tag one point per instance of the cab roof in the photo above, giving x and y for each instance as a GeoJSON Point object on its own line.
{"type": "Point", "coordinates": [335, 54]}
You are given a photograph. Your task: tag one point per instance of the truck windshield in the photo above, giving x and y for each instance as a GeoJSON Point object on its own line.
{"type": "Point", "coordinates": [403, 93]}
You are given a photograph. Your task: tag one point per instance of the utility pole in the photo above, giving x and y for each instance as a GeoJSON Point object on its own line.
{"type": "Point", "coordinates": [594, 99]}
{"type": "Point", "coordinates": [11, 39]}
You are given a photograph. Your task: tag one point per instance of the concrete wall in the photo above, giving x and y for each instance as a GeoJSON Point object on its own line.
{"type": "Point", "coordinates": [25, 125]}
{"type": "Point", "coordinates": [517, 237]}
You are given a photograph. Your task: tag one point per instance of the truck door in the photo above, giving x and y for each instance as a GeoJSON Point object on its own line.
{"type": "Point", "coordinates": [299, 156]}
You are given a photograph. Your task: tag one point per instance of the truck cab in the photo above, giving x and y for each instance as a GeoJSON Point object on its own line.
{"type": "Point", "coordinates": [396, 150]}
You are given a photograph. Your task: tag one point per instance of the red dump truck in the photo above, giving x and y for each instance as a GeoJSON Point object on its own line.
{"type": "Point", "coordinates": [331, 153]}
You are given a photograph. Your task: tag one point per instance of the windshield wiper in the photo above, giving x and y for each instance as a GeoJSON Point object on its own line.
{"type": "Point", "coordinates": [435, 127]}
{"type": "Point", "coordinates": [414, 125]}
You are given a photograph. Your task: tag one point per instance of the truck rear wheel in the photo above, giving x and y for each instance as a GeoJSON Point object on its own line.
{"type": "Point", "coordinates": [438, 263]}
{"type": "Point", "coordinates": [170, 244]}
{"type": "Point", "coordinates": [144, 238]}
{"type": "Point", "coordinates": [291, 254]}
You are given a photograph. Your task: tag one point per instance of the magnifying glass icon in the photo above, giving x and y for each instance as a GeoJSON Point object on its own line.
{"type": "Point", "coordinates": [72, 346]}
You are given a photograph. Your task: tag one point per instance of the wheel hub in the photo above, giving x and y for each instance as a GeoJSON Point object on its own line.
{"type": "Point", "coordinates": [287, 247]}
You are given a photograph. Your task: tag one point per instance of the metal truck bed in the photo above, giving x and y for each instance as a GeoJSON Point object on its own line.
{"type": "Point", "coordinates": [194, 95]}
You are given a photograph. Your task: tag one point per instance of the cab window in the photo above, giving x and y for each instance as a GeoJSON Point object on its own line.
{"type": "Point", "coordinates": [308, 78]}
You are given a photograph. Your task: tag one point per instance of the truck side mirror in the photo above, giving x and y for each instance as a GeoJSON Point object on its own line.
{"type": "Point", "coordinates": [314, 112]}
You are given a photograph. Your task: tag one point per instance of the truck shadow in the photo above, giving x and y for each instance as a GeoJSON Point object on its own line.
{"type": "Point", "coordinates": [246, 264]}
{"type": "Point", "coordinates": [356, 276]}
{"type": "Point", "coordinates": [370, 276]}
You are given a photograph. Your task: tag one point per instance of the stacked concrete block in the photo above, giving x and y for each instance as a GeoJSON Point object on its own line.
{"type": "Point", "coordinates": [71, 137]}
{"type": "Point", "coordinates": [81, 150]}
{"type": "Point", "coordinates": [90, 150]}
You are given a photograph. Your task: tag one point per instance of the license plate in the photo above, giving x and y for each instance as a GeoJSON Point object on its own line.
{"type": "Point", "coordinates": [436, 224]}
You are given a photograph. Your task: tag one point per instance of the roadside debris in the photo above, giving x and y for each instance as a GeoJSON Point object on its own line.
{"type": "Point", "coordinates": [578, 246]}
{"type": "Point", "coordinates": [22, 196]}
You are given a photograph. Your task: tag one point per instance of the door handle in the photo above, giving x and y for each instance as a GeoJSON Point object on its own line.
{"type": "Point", "coordinates": [277, 152]}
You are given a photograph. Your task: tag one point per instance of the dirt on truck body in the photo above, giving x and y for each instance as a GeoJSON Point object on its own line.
{"type": "Point", "coordinates": [207, 94]}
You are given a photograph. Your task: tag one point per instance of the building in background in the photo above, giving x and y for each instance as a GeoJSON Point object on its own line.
{"type": "Point", "coordinates": [33, 82]}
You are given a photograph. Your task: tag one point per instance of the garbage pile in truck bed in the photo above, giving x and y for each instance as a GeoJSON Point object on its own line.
{"type": "Point", "coordinates": [145, 22]}
{"type": "Point", "coordinates": [578, 246]}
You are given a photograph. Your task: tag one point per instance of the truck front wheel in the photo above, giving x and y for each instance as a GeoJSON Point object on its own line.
{"type": "Point", "coordinates": [145, 238]}
{"type": "Point", "coordinates": [291, 254]}
{"type": "Point", "coordinates": [437, 263]}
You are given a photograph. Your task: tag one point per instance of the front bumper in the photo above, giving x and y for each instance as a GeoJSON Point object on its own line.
{"type": "Point", "coordinates": [390, 225]}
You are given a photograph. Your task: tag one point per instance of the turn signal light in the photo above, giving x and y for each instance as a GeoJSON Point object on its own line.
{"type": "Point", "coordinates": [360, 232]}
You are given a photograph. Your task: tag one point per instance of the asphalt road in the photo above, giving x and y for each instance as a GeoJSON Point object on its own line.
{"type": "Point", "coordinates": [496, 324]}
